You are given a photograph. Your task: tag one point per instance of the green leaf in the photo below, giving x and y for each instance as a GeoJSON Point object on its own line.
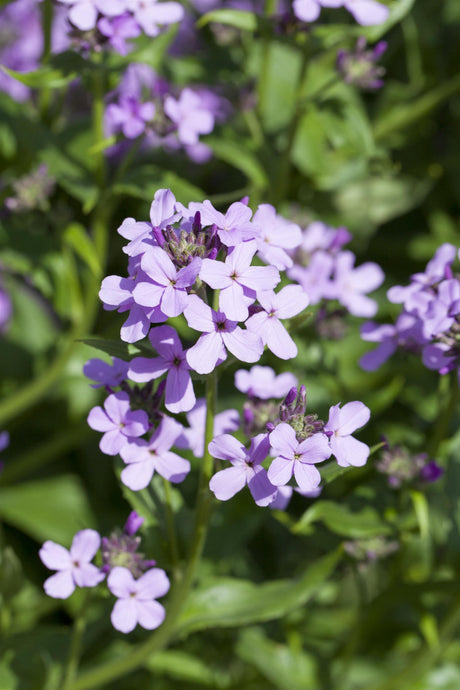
{"type": "Point", "coordinates": [53, 508]}
{"type": "Point", "coordinates": [114, 348]}
{"type": "Point", "coordinates": [76, 236]}
{"type": "Point", "coordinates": [241, 158]}
{"type": "Point", "coordinates": [287, 669]}
{"type": "Point", "coordinates": [185, 667]}
{"type": "Point", "coordinates": [143, 182]}
{"type": "Point", "coordinates": [228, 602]}
{"type": "Point", "coordinates": [339, 519]}
{"type": "Point", "coordinates": [43, 78]}
{"type": "Point", "coordinates": [240, 19]}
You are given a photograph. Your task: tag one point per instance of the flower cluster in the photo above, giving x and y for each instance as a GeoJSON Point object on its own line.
{"type": "Point", "coordinates": [147, 105]}
{"type": "Point", "coordinates": [130, 578]}
{"type": "Point", "coordinates": [359, 66]}
{"type": "Point", "coordinates": [97, 23]}
{"type": "Point", "coordinates": [327, 272]}
{"type": "Point", "coordinates": [402, 467]}
{"type": "Point", "coordinates": [429, 323]}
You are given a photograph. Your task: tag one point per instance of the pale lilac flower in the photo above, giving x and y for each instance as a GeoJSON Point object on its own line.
{"type": "Point", "coordinates": [118, 422]}
{"type": "Point", "coordinates": [117, 30]}
{"type": "Point", "coordinates": [143, 458]}
{"type": "Point", "coordinates": [136, 598]}
{"type": "Point", "coordinates": [83, 13]}
{"type": "Point", "coordinates": [276, 236]}
{"type": "Point", "coordinates": [130, 116]}
{"type": "Point", "coordinates": [232, 228]}
{"type": "Point", "coordinates": [179, 394]}
{"type": "Point", "coordinates": [191, 118]}
{"type": "Point", "coordinates": [73, 566]}
{"type": "Point", "coordinates": [246, 469]}
{"type": "Point", "coordinates": [168, 286]}
{"type": "Point", "coordinates": [238, 281]}
{"type": "Point", "coordinates": [150, 14]}
{"type": "Point", "coordinates": [104, 373]}
{"type": "Point", "coordinates": [289, 302]}
{"type": "Point", "coordinates": [192, 437]}
{"type": "Point", "coordinates": [218, 333]}
{"type": "Point", "coordinates": [263, 383]}
{"type": "Point", "coordinates": [406, 333]}
{"type": "Point", "coordinates": [139, 234]}
{"type": "Point", "coordinates": [350, 285]}
{"type": "Point", "coordinates": [365, 12]}
{"type": "Point", "coordinates": [340, 425]}
{"type": "Point", "coordinates": [294, 458]}
{"type": "Point", "coordinates": [315, 278]}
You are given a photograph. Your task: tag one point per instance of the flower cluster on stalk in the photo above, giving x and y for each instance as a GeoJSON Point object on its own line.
{"type": "Point", "coordinates": [429, 322]}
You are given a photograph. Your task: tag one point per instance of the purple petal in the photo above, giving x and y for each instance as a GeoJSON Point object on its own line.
{"type": "Point", "coordinates": [87, 575]}
{"type": "Point", "coordinates": [162, 208]}
{"type": "Point", "coordinates": [187, 275]}
{"type": "Point", "coordinates": [278, 339]}
{"type": "Point", "coordinates": [290, 301]}
{"type": "Point", "coordinates": [374, 359]}
{"type": "Point", "coordinates": [138, 475]}
{"type": "Point", "coordinates": [353, 416]}
{"type": "Point", "coordinates": [158, 266]}
{"type": "Point", "coordinates": [226, 483]}
{"type": "Point", "coordinates": [232, 302]}
{"type": "Point", "coordinates": [121, 582]}
{"type": "Point", "coordinates": [124, 615]}
{"type": "Point", "coordinates": [112, 442]}
{"type": "Point", "coordinates": [152, 584]}
{"type": "Point", "coordinates": [227, 447]}
{"type": "Point", "coordinates": [116, 406]}
{"type": "Point", "coordinates": [246, 346]}
{"type": "Point", "coordinates": [262, 490]}
{"type": "Point", "coordinates": [367, 12]}
{"type": "Point", "coordinates": [199, 315]}
{"type": "Point", "coordinates": [283, 440]}
{"type": "Point", "coordinates": [173, 301]}
{"type": "Point", "coordinates": [171, 466]}
{"type": "Point", "coordinates": [314, 449]}
{"type": "Point", "coordinates": [307, 476]}
{"type": "Point", "coordinates": [136, 423]}
{"type": "Point", "coordinates": [165, 435]}
{"type": "Point", "coordinates": [150, 614]}
{"type": "Point", "coordinates": [203, 356]}
{"type": "Point", "coordinates": [143, 369]}
{"type": "Point", "coordinates": [349, 451]}
{"type": "Point", "coordinates": [179, 393]}
{"type": "Point", "coordinates": [136, 325]}
{"type": "Point", "coordinates": [59, 586]}
{"type": "Point", "coordinates": [54, 556]}
{"type": "Point", "coordinates": [85, 545]}
{"type": "Point", "coordinates": [148, 294]}
{"type": "Point", "coordinates": [98, 420]}
{"type": "Point", "coordinates": [280, 471]}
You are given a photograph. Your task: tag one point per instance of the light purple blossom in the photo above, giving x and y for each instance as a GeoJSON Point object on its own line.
{"type": "Point", "coordinates": [136, 598]}
{"type": "Point", "coordinates": [104, 373]}
{"type": "Point", "coordinates": [190, 116]}
{"type": "Point", "coordinates": [365, 12]}
{"type": "Point", "coordinates": [407, 333]}
{"type": "Point", "coordinates": [130, 116]}
{"type": "Point", "coordinates": [179, 394]}
{"type": "Point", "coordinates": [73, 566]}
{"type": "Point", "coordinates": [263, 383]}
{"type": "Point", "coordinates": [246, 469]}
{"type": "Point", "coordinates": [219, 333]}
{"type": "Point", "coordinates": [150, 14]}
{"type": "Point", "coordinates": [167, 287]}
{"type": "Point", "coordinates": [118, 422]}
{"type": "Point", "coordinates": [350, 285]}
{"type": "Point", "coordinates": [117, 30]}
{"type": "Point", "coordinates": [288, 302]}
{"type": "Point", "coordinates": [192, 437]}
{"type": "Point", "coordinates": [315, 279]}
{"type": "Point", "coordinates": [276, 236]}
{"type": "Point", "coordinates": [238, 281]}
{"type": "Point", "coordinates": [294, 458]}
{"type": "Point", "coordinates": [83, 13]}
{"type": "Point", "coordinates": [143, 458]}
{"type": "Point", "coordinates": [340, 425]}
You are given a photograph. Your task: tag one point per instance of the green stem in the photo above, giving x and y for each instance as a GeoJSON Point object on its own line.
{"type": "Point", "coordinates": [284, 170]}
{"type": "Point", "coordinates": [161, 638]}
{"type": "Point", "coordinates": [75, 645]}
{"type": "Point", "coordinates": [171, 529]}
{"type": "Point", "coordinates": [446, 413]}
{"type": "Point", "coordinates": [47, 25]}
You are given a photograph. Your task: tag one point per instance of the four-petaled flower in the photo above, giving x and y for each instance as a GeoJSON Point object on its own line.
{"type": "Point", "coordinates": [118, 422]}
{"type": "Point", "coordinates": [341, 424]}
{"type": "Point", "coordinates": [136, 598]}
{"type": "Point", "coordinates": [297, 458]}
{"type": "Point", "coordinates": [73, 566]}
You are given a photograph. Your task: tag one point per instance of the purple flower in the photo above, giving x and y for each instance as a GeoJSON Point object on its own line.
{"type": "Point", "coordinates": [118, 422]}
{"type": "Point", "coordinates": [136, 599]}
{"type": "Point", "coordinates": [406, 333]}
{"type": "Point", "coordinates": [106, 374]}
{"type": "Point", "coordinates": [350, 284]}
{"type": "Point", "coordinates": [83, 13]}
{"type": "Point", "coordinates": [262, 382]}
{"type": "Point", "coordinates": [237, 280]}
{"type": "Point", "coordinates": [246, 469]}
{"type": "Point", "coordinates": [289, 301]}
{"type": "Point", "coordinates": [232, 228]}
{"type": "Point", "coordinates": [179, 394]}
{"type": "Point", "coordinates": [218, 333]}
{"type": "Point", "coordinates": [340, 425]}
{"type": "Point", "coordinates": [294, 458]}
{"type": "Point", "coordinates": [145, 457]}
{"type": "Point", "coordinates": [151, 14]}
{"type": "Point", "coordinates": [365, 12]}
{"type": "Point", "coordinates": [168, 289]}
{"type": "Point", "coordinates": [315, 278]}
{"type": "Point", "coordinates": [190, 116]}
{"type": "Point", "coordinates": [74, 567]}
{"type": "Point", "coordinates": [117, 30]}
{"type": "Point", "coordinates": [276, 235]}
{"type": "Point", "coordinates": [130, 116]}
{"type": "Point", "coordinates": [358, 67]}
{"type": "Point", "coordinates": [192, 438]}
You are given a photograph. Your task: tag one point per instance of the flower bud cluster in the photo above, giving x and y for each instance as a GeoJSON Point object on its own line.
{"type": "Point", "coordinates": [402, 467]}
